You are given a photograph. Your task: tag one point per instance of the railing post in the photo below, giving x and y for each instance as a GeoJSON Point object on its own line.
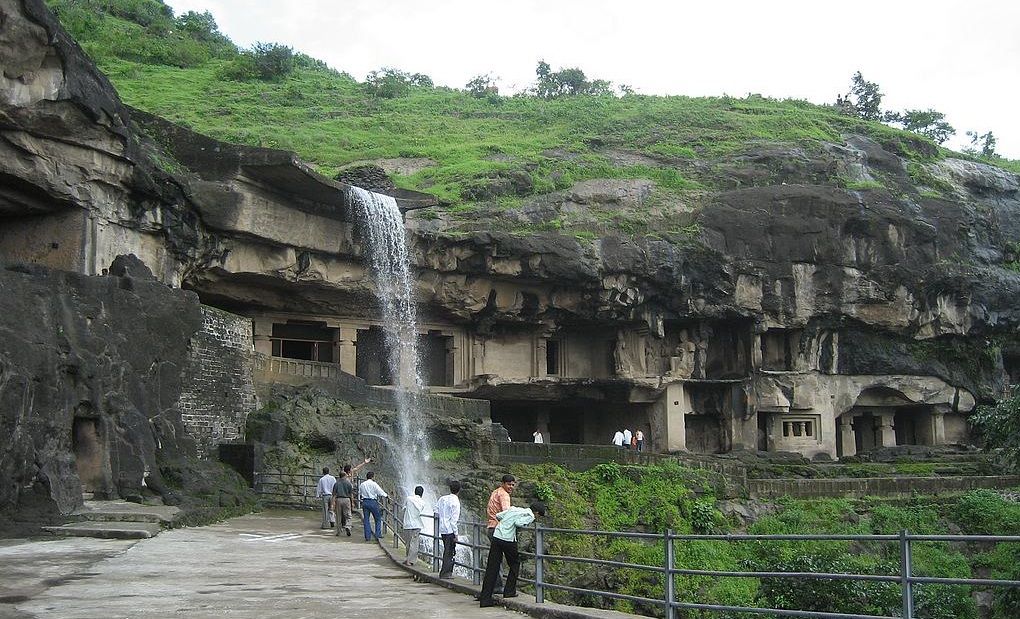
{"type": "Point", "coordinates": [385, 525]}
{"type": "Point", "coordinates": [539, 571]}
{"type": "Point", "coordinates": [906, 584]}
{"type": "Point", "coordinates": [476, 556]}
{"type": "Point", "coordinates": [435, 543]}
{"type": "Point", "coordinates": [668, 593]}
{"type": "Point", "coordinates": [396, 536]}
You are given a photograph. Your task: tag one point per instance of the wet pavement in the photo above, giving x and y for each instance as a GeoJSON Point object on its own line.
{"type": "Point", "coordinates": [267, 565]}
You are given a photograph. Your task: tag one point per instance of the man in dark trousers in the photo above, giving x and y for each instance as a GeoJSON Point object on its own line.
{"type": "Point", "coordinates": [504, 545]}
{"type": "Point", "coordinates": [499, 501]}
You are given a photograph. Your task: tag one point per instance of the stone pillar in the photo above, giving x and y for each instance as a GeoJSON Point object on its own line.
{"type": "Point", "coordinates": [349, 351]}
{"type": "Point", "coordinates": [540, 352]}
{"type": "Point", "coordinates": [675, 402]}
{"type": "Point", "coordinates": [938, 425]}
{"type": "Point", "coordinates": [478, 356]}
{"type": "Point", "coordinates": [886, 432]}
{"type": "Point", "coordinates": [848, 444]}
{"type": "Point", "coordinates": [261, 333]}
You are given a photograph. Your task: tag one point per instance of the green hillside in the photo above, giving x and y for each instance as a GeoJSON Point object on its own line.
{"type": "Point", "coordinates": [184, 69]}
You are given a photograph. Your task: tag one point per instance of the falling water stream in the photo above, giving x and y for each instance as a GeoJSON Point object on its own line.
{"type": "Point", "coordinates": [383, 230]}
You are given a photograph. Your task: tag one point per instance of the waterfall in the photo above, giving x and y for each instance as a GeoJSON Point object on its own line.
{"type": "Point", "coordinates": [383, 231]}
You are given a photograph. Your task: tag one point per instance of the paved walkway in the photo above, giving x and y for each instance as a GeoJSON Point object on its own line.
{"type": "Point", "coordinates": [268, 565]}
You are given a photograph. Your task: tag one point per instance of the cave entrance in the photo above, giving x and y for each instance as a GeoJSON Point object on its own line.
{"type": "Point", "coordinates": [305, 340]}
{"type": "Point", "coordinates": [372, 357]}
{"type": "Point", "coordinates": [89, 453]}
{"type": "Point", "coordinates": [866, 427]}
{"type": "Point", "coordinates": [436, 358]}
{"type": "Point", "coordinates": [575, 422]}
{"type": "Point", "coordinates": [912, 425]}
{"type": "Point", "coordinates": [704, 433]}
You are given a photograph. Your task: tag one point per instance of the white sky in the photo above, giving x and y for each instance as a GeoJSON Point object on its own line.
{"type": "Point", "coordinates": [961, 58]}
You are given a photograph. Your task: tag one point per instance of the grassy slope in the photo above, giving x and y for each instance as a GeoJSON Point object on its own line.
{"type": "Point", "coordinates": [331, 120]}
{"type": "Point", "coordinates": [611, 497]}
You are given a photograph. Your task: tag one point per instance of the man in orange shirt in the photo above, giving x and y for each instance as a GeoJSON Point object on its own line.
{"type": "Point", "coordinates": [499, 501]}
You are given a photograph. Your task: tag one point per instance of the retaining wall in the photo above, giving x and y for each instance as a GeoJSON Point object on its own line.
{"type": "Point", "coordinates": [219, 390]}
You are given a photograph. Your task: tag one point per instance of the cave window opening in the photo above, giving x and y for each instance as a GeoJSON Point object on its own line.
{"type": "Point", "coordinates": [778, 349]}
{"type": "Point", "coordinates": [305, 341]}
{"type": "Point", "coordinates": [553, 361]}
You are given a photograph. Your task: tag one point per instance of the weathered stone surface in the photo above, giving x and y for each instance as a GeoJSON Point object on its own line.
{"type": "Point", "coordinates": [91, 374]}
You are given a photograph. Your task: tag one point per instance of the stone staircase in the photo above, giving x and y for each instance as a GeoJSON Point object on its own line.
{"type": "Point", "coordinates": [117, 520]}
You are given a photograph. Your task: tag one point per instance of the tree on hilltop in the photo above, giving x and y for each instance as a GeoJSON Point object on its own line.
{"type": "Point", "coordinates": [483, 86]}
{"type": "Point", "coordinates": [567, 82]}
{"type": "Point", "coordinates": [863, 101]}
{"type": "Point", "coordinates": [929, 123]}
{"type": "Point", "coordinates": [390, 83]}
{"type": "Point", "coordinates": [981, 144]}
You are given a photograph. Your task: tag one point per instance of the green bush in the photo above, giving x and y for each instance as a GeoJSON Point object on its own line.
{"type": "Point", "coordinates": [985, 512]}
{"type": "Point", "coordinates": [272, 61]}
{"type": "Point", "coordinates": [839, 596]}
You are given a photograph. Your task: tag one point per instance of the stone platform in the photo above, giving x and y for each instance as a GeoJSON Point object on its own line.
{"type": "Point", "coordinates": [117, 520]}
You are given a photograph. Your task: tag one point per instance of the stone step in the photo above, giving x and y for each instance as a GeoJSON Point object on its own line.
{"type": "Point", "coordinates": [119, 516]}
{"type": "Point", "coordinates": [107, 530]}
{"type": "Point", "coordinates": [124, 511]}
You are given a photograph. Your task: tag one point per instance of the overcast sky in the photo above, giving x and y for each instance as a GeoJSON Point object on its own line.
{"type": "Point", "coordinates": [961, 58]}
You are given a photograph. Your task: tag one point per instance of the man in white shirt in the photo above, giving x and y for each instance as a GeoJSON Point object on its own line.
{"type": "Point", "coordinates": [448, 513]}
{"type": "Point", "coordinates": [639, 436]}
{"type": "Point", "coordinates": [414, 505]}
{"type": "Point", "coordinates": [626, 438]}
{"type": "Point", "coordinates": [324, 492]}
{"type": "Point", "coordinates": [537, 434]}
{"type": "Point", "coordinates": [618, 439]}
{"type": "Point", "coordinates": [370, 493]}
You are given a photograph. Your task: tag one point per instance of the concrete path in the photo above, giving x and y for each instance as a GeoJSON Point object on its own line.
{"type": "Point", "coordinates": [268, 565]}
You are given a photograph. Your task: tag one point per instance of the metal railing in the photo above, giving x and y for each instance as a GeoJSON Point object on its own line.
{"type": "Point", "coordinates": [905, 578]}
{"type": "Point", "coordinates": [478, 543]}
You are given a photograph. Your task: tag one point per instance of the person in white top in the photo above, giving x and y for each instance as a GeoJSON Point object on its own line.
{"type": "Point", "coordinates": [370, 493]}
{"type": "Point", "coordinates": [414, 505]}
{"type": "Point", "coordinates": [626, 438]}
{"type": "Point", "coordinates": [618, 439]}
{"type": "Point", "coordinates": [538, 436]}
{"type": "Point", "coordinates": [447, 514]}
{"type": "Point", "coordinates": [639, 436]}
{"type": "Point", "coordinates": [324, 492]}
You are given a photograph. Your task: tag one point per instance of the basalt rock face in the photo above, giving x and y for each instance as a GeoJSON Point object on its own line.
{"type": "Point", "coordinates": [90, 370]}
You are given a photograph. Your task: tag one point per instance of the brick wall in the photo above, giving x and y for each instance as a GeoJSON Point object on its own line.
{"type": "Point", "coordinates": [219, 388]}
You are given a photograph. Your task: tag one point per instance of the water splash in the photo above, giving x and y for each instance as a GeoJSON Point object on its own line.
{"type": "Point", "coordinates": [383, 229]}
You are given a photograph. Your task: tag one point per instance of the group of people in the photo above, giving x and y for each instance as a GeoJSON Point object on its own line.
{"type": "Point", "coordinates": [502, 524]}
{"type": "Point", "coordinates": [338, 496]}
{"type": "Point", "coordinates": [624, 438]}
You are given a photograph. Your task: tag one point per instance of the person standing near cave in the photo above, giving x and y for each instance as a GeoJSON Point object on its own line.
{"type": "Point", "coordinates": [324, 492]}
{"type": "Point", "coordinates": [343, 498]}
{"type": "Point", "coordinates": [504, 545]}
{"type": "Point", "coordinates": [447, 516]}
{"type": "Point", "coordinates": [499, 501]}
{"type": "Point", "coordinates": [370, 492]}
{"type": "Point", "coordinates": [414, 505]}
